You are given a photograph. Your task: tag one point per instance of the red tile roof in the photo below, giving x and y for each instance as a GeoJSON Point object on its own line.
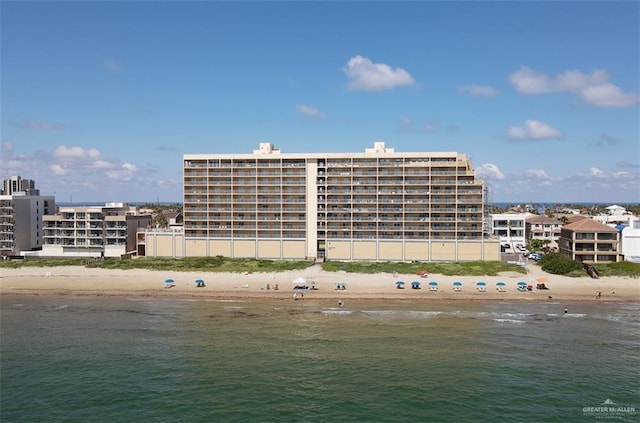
{"type": "Point", "coordinates": [588, 225]}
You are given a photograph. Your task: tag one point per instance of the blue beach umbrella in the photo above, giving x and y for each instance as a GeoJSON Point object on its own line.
{"type": "Point", "coordinates": [522, 283]}
{"type": "Point", "coordinates": [481, 283]}
{"type": "Point", "coordinates": [169, 281]}
{"type": "Point", "coordinates": [433, 283]}
{"type": "Point", "coordinates": [457, 283]}
{"type": "Point", "coordinates": [500, 284]}
{"type": "Point", "coordinates": [400, 283]}
{"type": "Point", "coordinates": [415, 284]}
{"type": "Point", "coordinates": [199, 281]}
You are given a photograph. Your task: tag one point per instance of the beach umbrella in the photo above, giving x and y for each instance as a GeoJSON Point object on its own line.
{"type": "Point", "coordinates": [457, 283]}
{"type": "Point", "coordinates": [481, 283]}
{"type": "Point", "coordinates": [522, 283]}
{"type": "Point", "coordinates": [169, 281]}
{"type": "Point", "coordinates": [415, 283]}
{"type": "Point", "coordinates": [542, 280]}
{"type": "Point", "coordinates": [500, 284]}
{"type": "Point", "coordinates": [199, 282]}
{"type": "Point", "coordinates": [423, 273]}
{"type": "Point", "coordinates": [433, 283]}
{"type": "Point", "coordinates": [400, 283]}
{"type": "Point", "coordinates": [299, 280]}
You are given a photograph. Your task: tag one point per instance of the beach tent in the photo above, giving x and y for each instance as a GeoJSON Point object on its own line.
{"type": "Point", "coordinates": [299, 283]}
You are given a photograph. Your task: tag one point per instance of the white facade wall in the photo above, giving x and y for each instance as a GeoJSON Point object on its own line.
{"type": "Point", "coordinates": [630, 241]}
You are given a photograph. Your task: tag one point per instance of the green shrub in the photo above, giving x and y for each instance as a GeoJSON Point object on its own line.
{"type": "Point", "coordinates": [559, 264]}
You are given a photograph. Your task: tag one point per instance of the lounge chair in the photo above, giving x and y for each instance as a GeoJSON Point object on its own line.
{"type": "Point", "coordinates": [457, 289]}
{"type": "Point", "coordinates": [433, 288]}
{"type": "Point", "coordinates": [482, 288]}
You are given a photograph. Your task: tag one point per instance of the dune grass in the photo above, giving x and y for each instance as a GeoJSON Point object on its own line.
{"type": "Point", "coordinates": [223, 264]}
{"type": "Point", "coordinates": [472, 268]}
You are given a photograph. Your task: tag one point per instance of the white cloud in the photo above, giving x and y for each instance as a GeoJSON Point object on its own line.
{"type": "Point", "coordinates": [405, 121]}
{"type": "Point", "coordinates": [489, 171]}
{"type": "Point", "coordinates": [309, 111]}
{"type": "Point", "coordinates": [125, 172]}
{"type": "Point", "coordinates": [114, 66]}
{"type": "Point", "coordinates": [537, 173]}
{"type": "Point", "coordinates": [364, 75]}
{"type": "Point", "coordinates": [59, 169]}
{"type": "Point", "coordinates": [64, 152]}
{"type": "Point", "coordinates": [594, 171]}
{"type": "Point", "coordinates": [479, 90]}
{"type": "Point", "coordinates": [533, 129]}
{"type": "Point", "coordinates": [7, 148]}
{"type": "Point", "coordinates": [594, 89]}
{"type": "Point", "coordinates": [101, 164]}
{"type": "Point", "coordinates": [43, 126]}
{"type": "Point", "coordinates": [430, 126]}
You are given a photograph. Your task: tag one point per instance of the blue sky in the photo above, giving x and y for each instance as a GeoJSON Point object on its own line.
{"type": "Point", "coordinates": [100, 100]}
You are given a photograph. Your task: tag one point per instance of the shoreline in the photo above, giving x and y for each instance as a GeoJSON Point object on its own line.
{"type": "Point", "coordinates": [84, 282]}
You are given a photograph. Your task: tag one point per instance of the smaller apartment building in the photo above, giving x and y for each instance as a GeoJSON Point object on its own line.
{"type": "Point", "coordinates": [590, 242]}
{"type": "Point", "coordinates": [94, 231]}
{"type": "Point", "coordinates": [510, 228]}
{"type": "Point", "coordinates": [543, 228]}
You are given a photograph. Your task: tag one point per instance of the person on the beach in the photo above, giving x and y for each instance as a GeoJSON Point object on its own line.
{"type": "Point", "coordinates": [566, 310]}
{"type": "Point", "coordinates": [598, 294]}
{"type": "Point", "coordinates": [295, 296]}
{"type": "Point", "coordinates": [340, 303]}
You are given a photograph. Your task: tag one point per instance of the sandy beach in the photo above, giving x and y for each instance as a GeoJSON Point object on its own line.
{"type": "Point", "coordinates": [80, 281]}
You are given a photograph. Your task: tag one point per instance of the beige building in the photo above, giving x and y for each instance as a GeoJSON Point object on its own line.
{"type": "Point", "coordinates": [376, 205]}
{"type": "Point", "coordinates": [93, 231]}
{"type": "Point", "coordinates": [543, 228]}
{"type": "Point", "coordinates": [590, 242]}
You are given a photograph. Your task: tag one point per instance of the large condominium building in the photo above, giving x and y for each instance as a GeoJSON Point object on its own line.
{"type": "Point", "coordinates": [94, 231]}
{"type": "Point", "coordinates": [22, 209]}
{"type": "Point", "coordinates": [376, 205]}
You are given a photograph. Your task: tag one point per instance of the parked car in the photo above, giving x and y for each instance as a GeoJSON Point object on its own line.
{"type": "Point", "coordinates": [535, 256]}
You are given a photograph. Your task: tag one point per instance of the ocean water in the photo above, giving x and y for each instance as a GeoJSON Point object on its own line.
{"type": "Point", "coordinates": [102, 359]}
